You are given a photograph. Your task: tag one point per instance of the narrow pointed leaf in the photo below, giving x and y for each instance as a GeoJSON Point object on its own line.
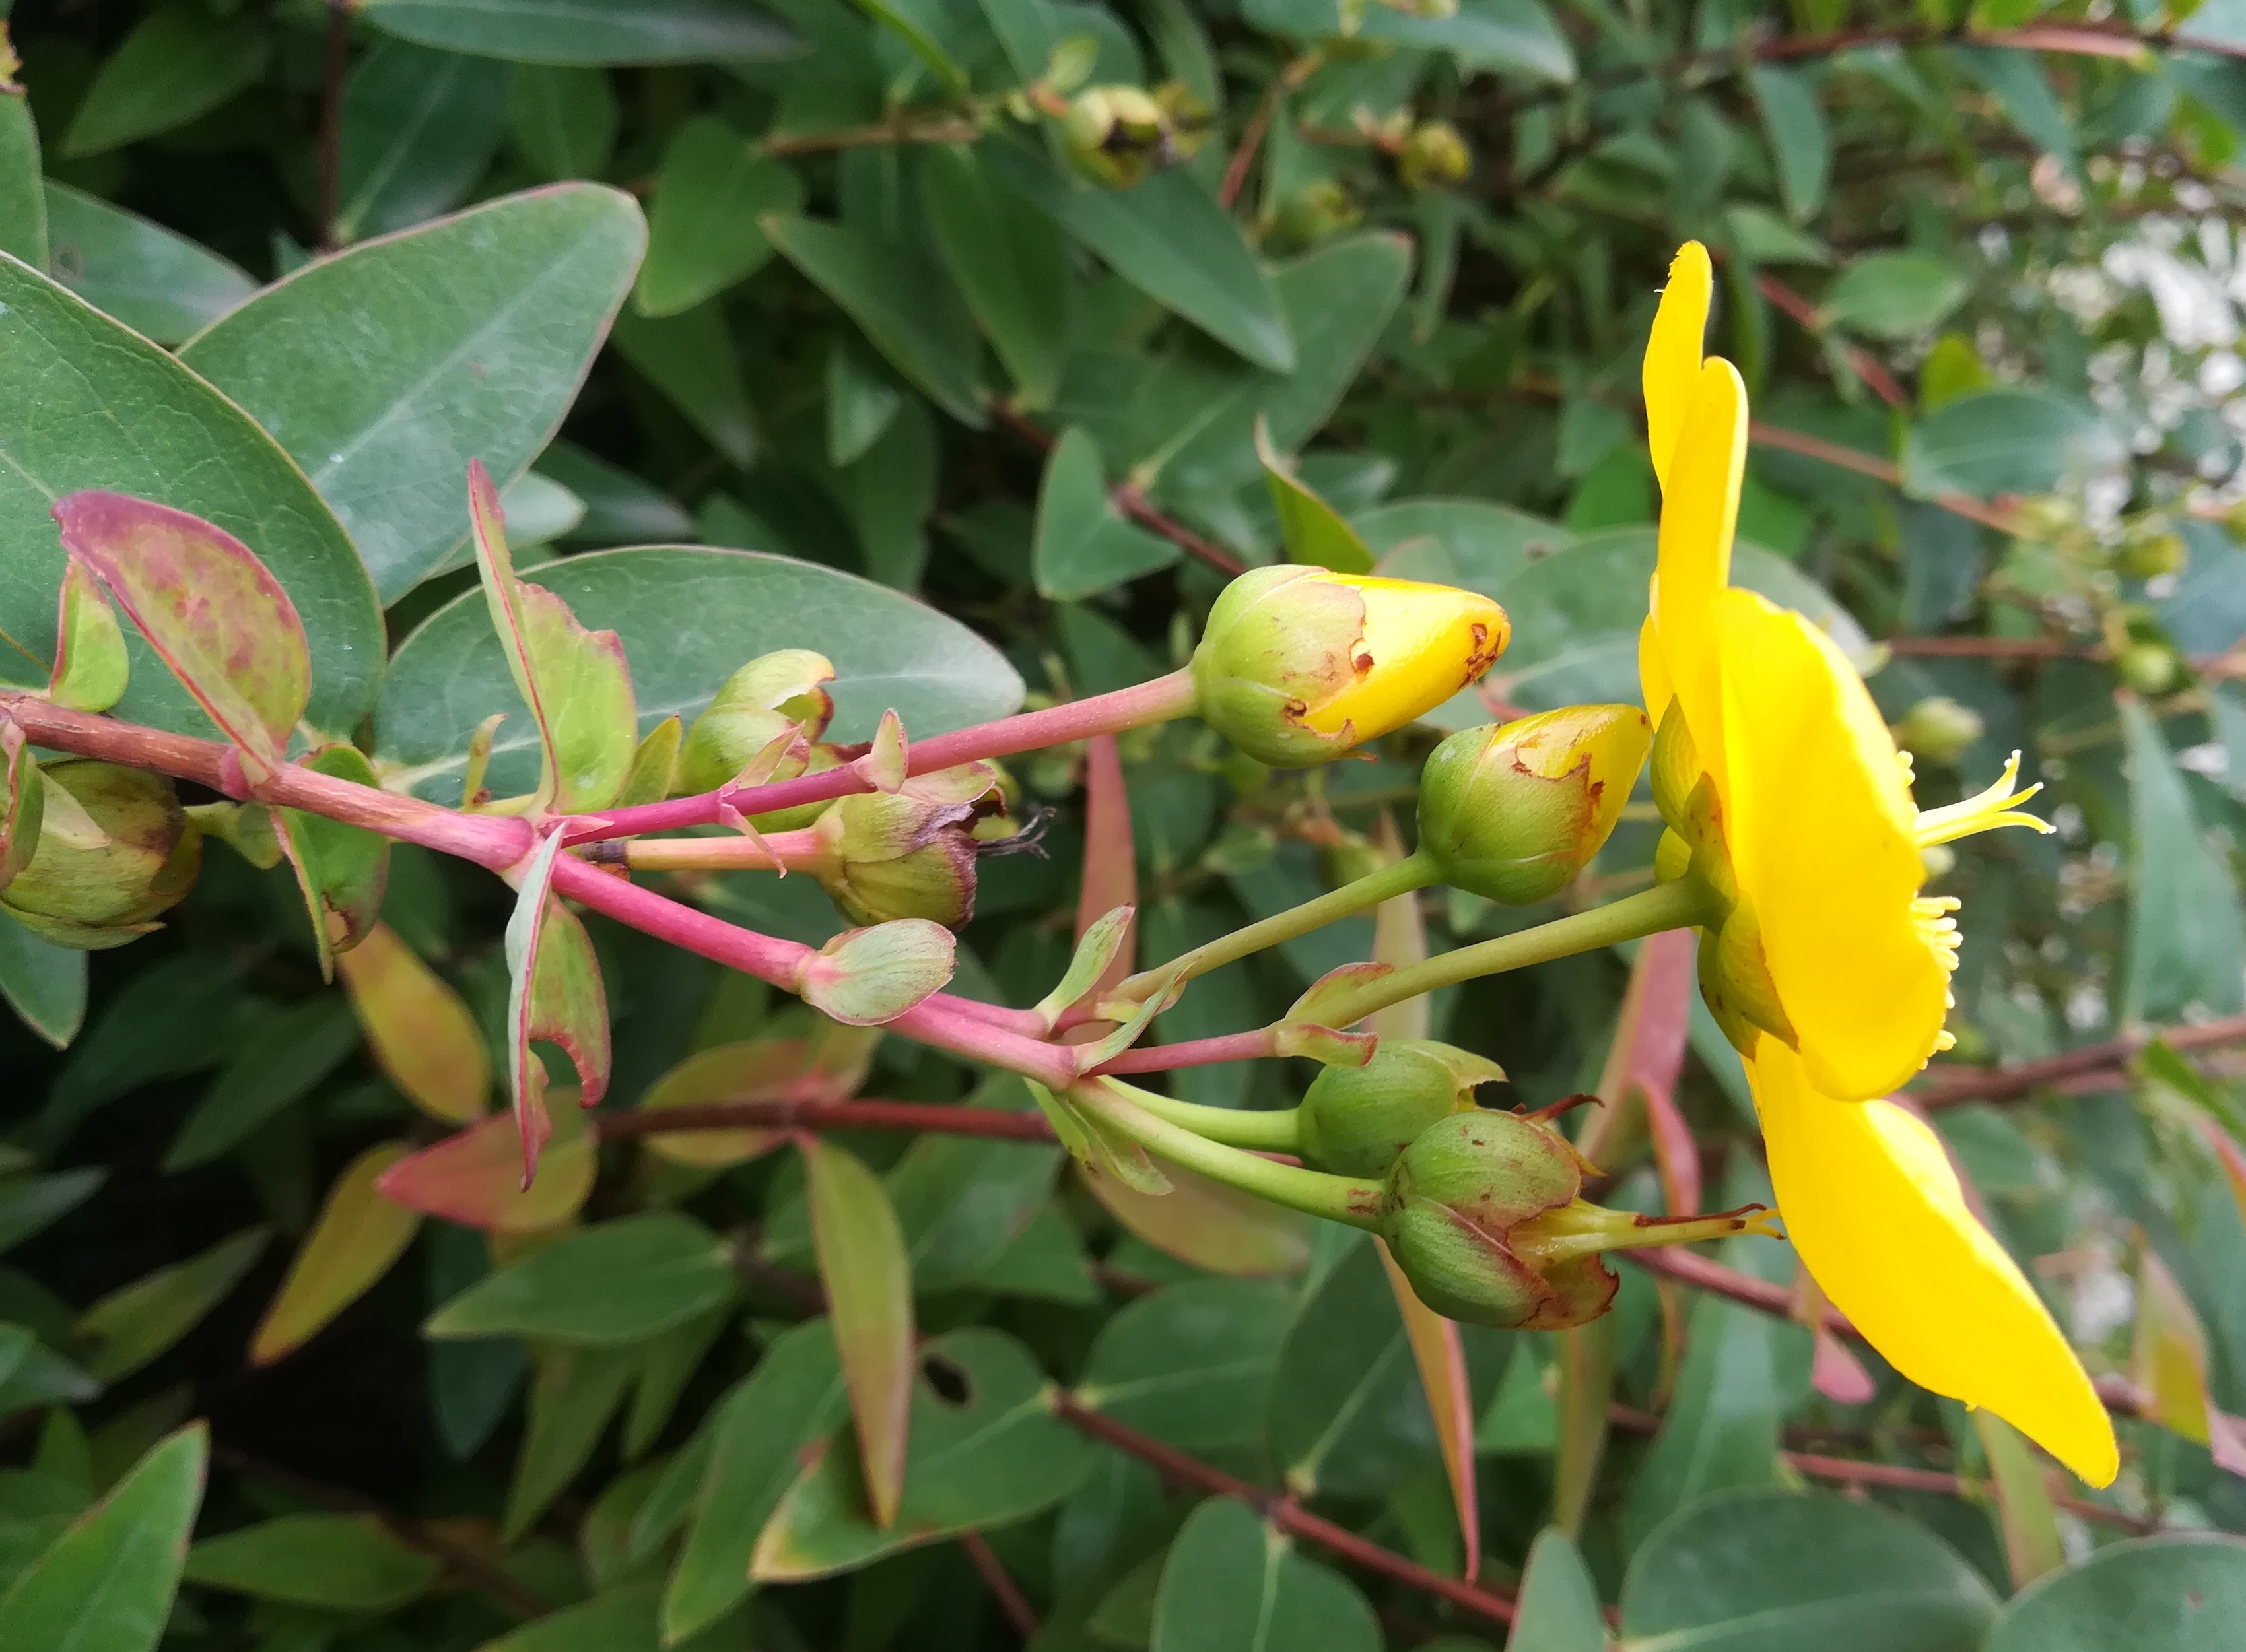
{"type": "Point", "coordinates": [1209, 1225]}
{"type": "Point", "coordinates": [1559, 1604]}
{"type": "Point", "coordinates": [475, 1178]}
{"type": "Point", "coordinates": [135, 1324]}
{"type": "Point", "coordinates": [601, 1287]}
{"type": "Point", "coordinates": [1083, 546]}
{"type": "Point", "coordinates": [106, 1584]}
{"type": "Point", "coordinates": [423, 1037]}
{"type": "Point", "coordinates": [333, 1562]}
{"type": "Point", "coordinates": [703, 234]}
{"type": "Point", "coordinates": [208, 606]}
{"type": "Point", "coordinates": [573, 680]}
{"type": "Point", "coordinates": [2023, 1506]}
{"type": "Point", "coordinates": [1101, 945]}
{"type": "Point", "coordinates": [867, 1274]}
{"type": "Point", "coordinates": [356, 1238]}
{"type": "Point", "coordinates": [1442, 1361]}
{"type": "Point", "coordinates": [1311, 530]}
{"type": "Point", "coordinates": [90, 665]}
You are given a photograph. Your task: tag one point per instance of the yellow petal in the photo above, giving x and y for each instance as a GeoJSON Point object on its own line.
{"type": "Point", "coordinates": [1822, 838]}
{"type": "Point", "coordinates": [1420, 645]}
{"type": "Point", "coordinates": [1672, 354]}
{"type": "Point", "coordinates": [1870, 1200]}
{"type": "Point", "coordinates": [1652, 671]}
{"type": "Point", "coordinates": [1698, 515]}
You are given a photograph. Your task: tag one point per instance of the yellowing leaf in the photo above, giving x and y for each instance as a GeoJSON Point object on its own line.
{"type": "Point", "coordinates": [1442, 1361]}
{"type": "Point", "coordinates": [423, 1037]}
{"type": "Point", "coordinates": [867, 1274]}
{"type": "Point", "coordinates": [575, 681]}
{"type": "Point", "coordinates": [1209, 1225]}
{"type": "Point", "coordinates": [356, 1236]}
{"type": "Point", "coordinates": [136, 1323]}
{"type": "Point", "coordinates": [208, 607]}
{"type": "Point", "coordinates": [475, 1178]}
{"type": "Point", "coordinates": [758, 1069]}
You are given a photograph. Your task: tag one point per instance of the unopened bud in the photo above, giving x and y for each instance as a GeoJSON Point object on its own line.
{"type": "Point", "coordinates": [1512, 813]}
{"type": "Point", "coordinates": [2151, 554]}
{"type": "Point", "coordinates": [1938, 730]}
{"type": "Point", "coordinates": [1434, 157]}
{"type": "Point", "coordinates": [2044, 517]}
{"type": "Point", "coordinates": [1483, 1215]}
{"type": "Point", "coordinates": [1300, 665]}
{"type": "Point", "coordinates": [763, 701]}
{"type": "Point", "coordinates": [2149, 667]}
{"type": "Point", "coordinates": [1116, 135]}
{"type": "Point", "coordinates": [1316, 211]}
{"type": "Point", "coordinates": [1356, 1120]}
{"type": "Point", "coordinates": [115, 851]}
{"type": "Point", "coordinates": [904, 855]}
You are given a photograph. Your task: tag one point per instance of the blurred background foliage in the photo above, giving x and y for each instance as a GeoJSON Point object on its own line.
{"type": "Point", "coordinates": [1035, 314]}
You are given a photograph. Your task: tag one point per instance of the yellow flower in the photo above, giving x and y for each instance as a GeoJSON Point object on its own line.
{"type": "Point", "coordinates": [1298, 664]}
{"type": "Point", "coordinates": [1784, 793]}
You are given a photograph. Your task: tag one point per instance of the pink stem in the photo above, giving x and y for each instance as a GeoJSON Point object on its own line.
{"type": "Point", "coordinates": [1155, 701]}
{"type": "Point", "coordinates": [1194, 1052]}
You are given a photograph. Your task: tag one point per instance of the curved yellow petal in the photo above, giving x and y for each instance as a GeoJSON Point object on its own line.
{"type": "Point", "coordinates": [1420, 645]}
{"type": "Point", "coordinates": [1874, 1210]}
{"type": "Point", "coordinates": [1699, 513]}
{"type": "Point", "coordinates": [1652, 671]}
{"type": "Point", "coordinates": [1672, 354]}
{"type": "Point", "coordinates": [1822, 838]}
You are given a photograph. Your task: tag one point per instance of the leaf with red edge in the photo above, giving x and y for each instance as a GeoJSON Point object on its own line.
{"type": "Point", "coordinates": [1399, 936]}
{"type": "Point", "coordinates": [888, 760]}
{"type": "Point", "coordinates": [342, 869]}
{"type": "Point", "coordinates": [555, 997]}
{"type": "Point", "coordinates": [1441, 1358]}
{"type": "Point", "coordinates": [1111, 862]}
{"type": "Point", "coordinates": [475, 1177]}
{"type": "Point", "coordinates": [23, 802]}
{"type": "Point", "coordinates": [1644, 1060]}
{"type": "Point", "coordinates": [575, 681]}
{"type": "Point", "coordinates": [423, 1035]}
{"type": "Point", "coordinates": [356, 1238]}
{"type": "Point", "coordinates": [1209, 1225]}
{"type": "Point", "coordinates": [91, 666]}
{"type": "Point", "coordinates": [867, 1274]}
{"type": "Point", "coordinates": [208, 607]}
{"type": "Point", "coordinates": [2170, 1361]}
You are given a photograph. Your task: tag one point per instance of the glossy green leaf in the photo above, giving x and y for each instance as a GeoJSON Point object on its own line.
{"type": "Point", "coordinates": [1231, 1583]}
{"type": "Point", "coordinates": [354, 1241]}
{"type": "Point", "coordinates": [702, 231]}
{"type": "Point", "coordinates": [908, 307]}
{"type": "Point", "coordinates": [2003, 441]}
{"type": "Point", "coordinates": [154, 280]}
{"type": "Point", "coordinates": [603, 1286]}
{"type": "Point", "coordinates": [106, 1585]}
{"type": "Point", "coordinates": [342, 869]}
{"type": "Point", "coordinates": [386, 369]}
{"type": "Point", "coordinates": [867, 1276]}
{"type": "Point", "coordinates": [890, 494]}
{"type": "Point", "coordinates": [1801, 140]}
{"type": "Point", "coordinates": [338, 1562]}
{"type": "Point", "coordinates": [2179, 1592]}
{"type": "Point", "coordinates": [1192, 1363]}
{"type": "Point", "coordinates": [209, 607]}
{"type": "Point", "coordinates": [2186, 943]}
{"type": "Point", "coordinates": [28, 1204]}
{"type": "Point", "coordinates": [1082, 545]}
{"type": "Point", "coordinates": [1011, 265]}
{"type": "Point", "coordinates": [1559, 1603]}
{"type": "Point", "coordinates": [563, 120]}
{"type": "Point", "coordinates": [689, 358]}
{"type": "Point", "coordinates": [138, 1322]}
{"type": "Point", "coordinates": [293, 1054]}
{"type": "Point", "coordinates": [180, 62]}
{"type": "Point", "coordinates": [794, 1398]}
{"type": "Point", "coordinates": [1169, 238]}
{"type": "Point", "coordinates": [1895, 295]}
{"type": "Point", "coordinates": [2024, 1511]}
{"type": "Point", "coordinates": [22, 202]}
{"type": "Point", "coordinates": [82, 385]}
{"type": "Point", "coordinates": [1777, 1571]}
{"type": "Point", "coordinates": [1311, 530]}
{"type": "Point", "coordinates": [990, 1458]}
{"type": "Point", "coordinates": [418, 127]}
{"type": "Point", "coordinates": [92, 667]}
{"type": "Point", "coordinates": [1457, 541]}
{"type": "Point", "coordinates": [689, 618]}
{"type": "Point", "coordinates": [589, 31]}
{"type": "Point", "coordinates": [574, 1394]}
{"type": "Point", "coordinates": [963, 1203]}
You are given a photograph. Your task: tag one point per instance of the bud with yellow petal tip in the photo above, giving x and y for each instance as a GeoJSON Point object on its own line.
{"type": "Point", "coordinates": [761, 701]}
{"type": "Point", "coordinates": [1116, 134]}
{"type": "Point", "coordinates": [1299, 664]}
{"type": "Point", "coordinates": [1354, 1120]}
{"type": "Point", "coordinates": [115, 851]}
{"type": "Point", "coordinates": [1512, 813]}
{"type": "Point", "coordinates": [1483, 1215]}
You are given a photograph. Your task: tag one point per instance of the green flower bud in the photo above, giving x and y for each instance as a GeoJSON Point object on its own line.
{"type": "Point", "coordinates": [1116, 135]}
{"type": "Point", "coordinates": [817, 760]}
{"type": "Point", "coordinates": [1314, 212]}
{"type": "Point", "coordinates": [1513, 813]}
{"type": "Point", "coordinates": [115, 851]}
{"type": "Point", "coordinates": [760, 703]}
{"type": "Point", "coordinates": [2156, 549]}
{"type": "Point", "coordinates": [1938, 728]}
{"type": "Point", "coordinates": [1434, 156]}
{"type": "Point", "coordinates": [1356, 1120]}
{"type": "Point", "coordinates": [1299, 664]}
{"type": "Point", "coordinates": [2149, 667]}
{"type": "Point", "coordinates": [907, 854]}
{"type": "Point", "coordinates": [1483, 1215]}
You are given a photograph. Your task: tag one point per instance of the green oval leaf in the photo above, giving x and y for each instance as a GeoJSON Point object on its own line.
{"type": "Point", "coordinates": [868, 1279]}
{"type": "Point", "coordinates": [385, 369]}
{"type": "Point", "coordinates": [1192, 1363]}
{"type": "Point", "coordinates": [1231, 1583]}
{"type": "Point", "coordinates": [154, 280]}
{"type": "Point", "coordinates": [703, 232]}
{"type": "Point", "coordinates": [688, 617]}
{"type": "Point", "coordinates": [338, 1562]}
{"type": "Point", "coordinates": [589, 31]}
{"type": "Point", "coordinates": [603, 1286]}
{"type": "Point", "coordinates": [2181, 1592]}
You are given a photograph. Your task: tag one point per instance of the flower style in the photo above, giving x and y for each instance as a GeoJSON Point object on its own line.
{"type": "Point", "coordinates": [1785, 793]}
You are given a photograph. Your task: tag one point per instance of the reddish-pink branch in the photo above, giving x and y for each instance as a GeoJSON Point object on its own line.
{"type": "Point", "coordinates": [952, 1121]}
{"type": "Point", "coordinates": [1129, 500]}
{"type": "Point", "coordinates": [1194, 1052]}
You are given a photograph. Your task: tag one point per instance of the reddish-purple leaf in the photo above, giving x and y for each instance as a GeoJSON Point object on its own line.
{"type": "Point", "coordinates": [475, 1178]}
{"type": "Point", "coordinates": [1644, 1060]}
{"type": "Point", "coordinates": [867, 1274]}
{"type": "Point", "coordinates": [208, 607]}
{"type": "Point", "coordinates": [575, 681]}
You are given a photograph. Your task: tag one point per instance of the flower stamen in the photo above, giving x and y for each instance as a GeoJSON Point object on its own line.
{"type": "Point", "coordinates": [1983, 812]}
